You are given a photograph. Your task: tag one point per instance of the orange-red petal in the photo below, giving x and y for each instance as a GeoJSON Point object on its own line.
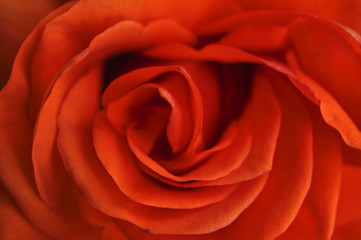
{"type": "Point", "coordinates": [320, 49]}
{"type": "Point", "coordinates": [316, 218]}
{"type": "Point", "coordinates": [278, 204]}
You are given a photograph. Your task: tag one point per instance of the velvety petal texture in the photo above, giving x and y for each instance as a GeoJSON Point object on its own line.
{"type": "Point", "coordinates": [143, 119]}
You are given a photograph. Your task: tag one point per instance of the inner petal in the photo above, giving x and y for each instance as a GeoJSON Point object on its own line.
{"type": "Point", "coordinates": [134, 109]}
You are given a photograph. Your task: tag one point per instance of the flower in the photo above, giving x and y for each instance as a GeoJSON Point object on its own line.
{"type": "Point", "coordinates": [179, 120]}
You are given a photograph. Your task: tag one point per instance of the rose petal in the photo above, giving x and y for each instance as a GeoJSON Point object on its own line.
{"type": "Point", "coordinates": [344, 11]}
{"type": "Point", "coordinates": [214, 52]}
{"type": "Point", "coordinates": [74, 144]}
{"type": "Point", "coordinates": [146, 11]}
{"type": "Point", "coordinates": [67, 78]}
{"type": "Point", "coordinates": [19, 77]}
{"type": "Point", "coordinates": [112, 231]}
{"type": "Point", "coordinates": [49, 111]}
{"type": "Point", "coordinates": [209, 218]}
{"type": "Point", "coordinates": [316, 218]}
{"type": "Point", "coordinates": [332, 51]}
{"type": "Point", "coordinates": [17, 182]}
{"type": "Point", "coordinates": [221, 53]}
{"type": "Point", "coordinates": [46, 159]}
{"type": "Point", "coordinates": [350, 231]}
{"type": "Point", "coordinates": [291, 173]}
{"type": "Point", "coordinates": [261, 118]}
{"type": "Point", "coordinates": [122, 166]}
{"type": "Point", "coordinates": [71, 33]}
{"type": "Point", "coordinates": [188, 114]}
{"type": "Point", "coordinates": [75, 147]}
{"type": "Point", "coordinates": [16, 171]}
{"type": "Point", "coordinates": [332, 112]}
{"type": "Point", "coordinates": [17, 19]}
{"type": "Point", "coordinates": [205, 77]}
{"type": "Point", "coordinates": [351, 155]}
{"type": "Point", "coordinates": [349, 209]}
{"type": "Point", "coordinates": [46, 125]}
{"type": "Point", "coordinates": [259, 17]}
{"type": "Point", "coordinates": [348, 219]}
{"type": "Point", "coordinates": [257, 37]}
{"type": "Point", "coordinates": [13, 224]}
{"type": "Point", "coordinates": [211, 162]}
{"type": "Point", "coordinates": [131, 108]}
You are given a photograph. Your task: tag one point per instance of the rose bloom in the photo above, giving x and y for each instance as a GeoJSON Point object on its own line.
{"type": "Point", "coordinates": [210, 119]}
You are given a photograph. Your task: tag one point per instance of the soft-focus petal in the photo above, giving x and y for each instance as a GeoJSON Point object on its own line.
{"type": "Point", "coordinates": [17, 19]}
{"type": "Point", "coordinates": [13, 223]}
{"type": "Point", "coordinates": [349, 209]}
{"type": "Point", "coordinates": [348, 221]}
{"type": "Point", "coordinates": [344, 11]}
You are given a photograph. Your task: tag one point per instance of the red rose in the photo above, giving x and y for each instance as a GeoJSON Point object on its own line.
{"type": "Point", "coordinates": [178, 120]}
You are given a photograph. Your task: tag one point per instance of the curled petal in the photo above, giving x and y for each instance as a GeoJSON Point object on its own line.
{"type": "Point", "coordinates": [122, 166]}
{"type": "Point", "coordinates": [332, 112]}
{"type": "Point", "coordinates": [250, 150]}
{"type": "Point", "coordinates": [81, 162]}
{"type": "Point", "coordinates": [341, 54]}
{"type": "Point", "coordinates": [186, 110]}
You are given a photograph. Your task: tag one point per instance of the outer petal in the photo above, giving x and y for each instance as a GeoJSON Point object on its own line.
{"type": "Point", "coordinates": [350, 231]}
{"type": "Point", "coordinates": [18, 89]}
{"type": "Point", "coordinates": [349, 209]}
{"type": "Point", "coordinates": [73, 31]}
{"type": "Point", "coordinates": [255, 37]}
{"type": "Point", "coordinates": [344, 11]}
{"type": "Point", "coordinates": [316, 218]}
{"type": "Point", "coordinates": [111, 40]}
{"type": "Point", "coordinates": [15, 161]}
{"type": "Point", "coordinates": [332, 112]}
{"type": "Point", "coordinates": [13, 224]}
{"type": "Point", "coordinates": [322, 48]}
{"type": "Point", "coordinates": [101, 46]}
{"type": "Point", "coordinates": [17, 19]}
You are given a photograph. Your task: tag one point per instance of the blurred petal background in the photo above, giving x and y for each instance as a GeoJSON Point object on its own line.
{"type": "Point", "coordinates": [17, 19]}
{"type": "Point", "coordinates": [346, 12]}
